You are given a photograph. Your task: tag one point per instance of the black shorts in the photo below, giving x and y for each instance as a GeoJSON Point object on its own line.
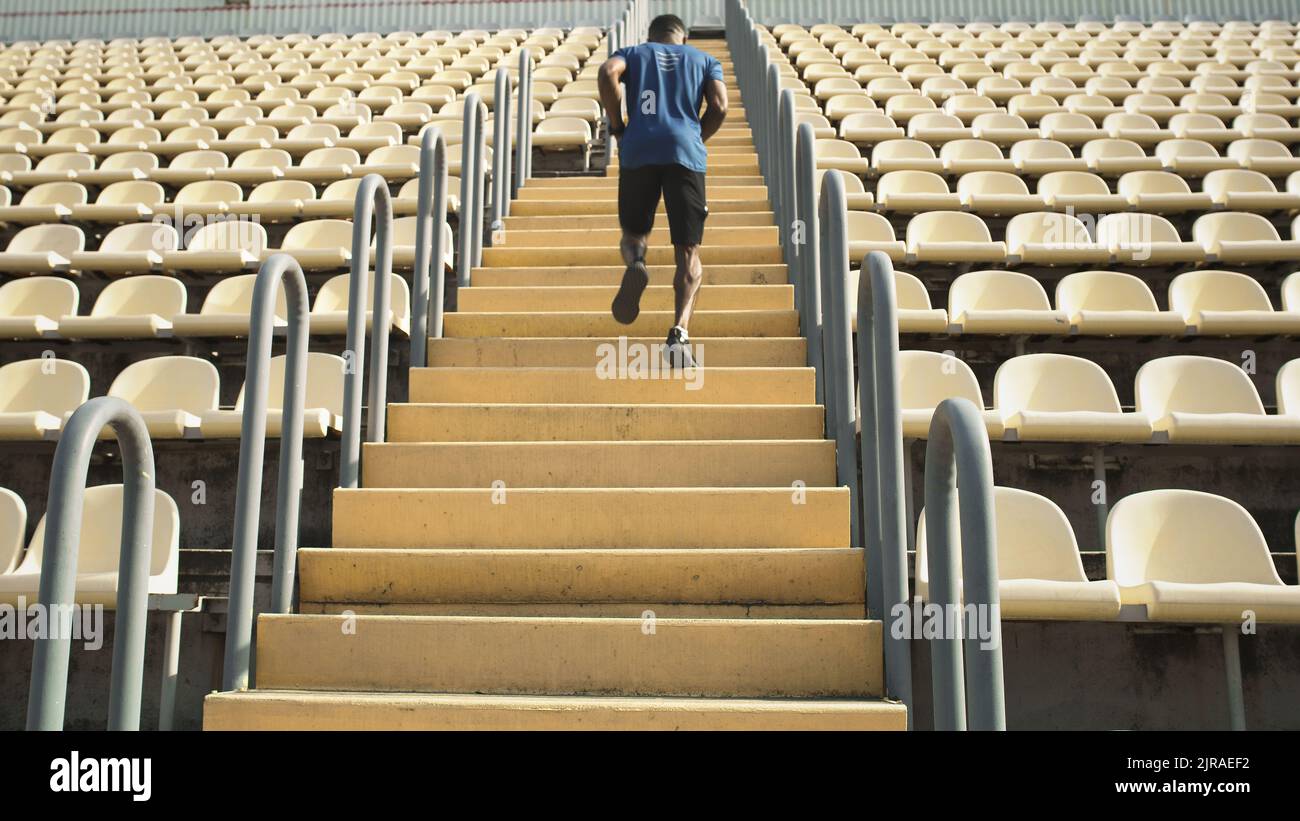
{"type": "Point", "coordinates": [683, 193]}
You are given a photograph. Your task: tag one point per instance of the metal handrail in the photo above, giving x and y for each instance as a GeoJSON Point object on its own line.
{"type": "Point", "coordinates": [501, 154]}
{"type": "Point", "coordinates": [957, 456]}
{"type": "Point", "coordinates": [471, 187]}
{"type": "Point", "coordinates": [49, 679]}
{"type": "Point", "coordinates": [615, 37]}
{"type": "Point", "coordinates": [883, 511]}
{"type": "Point", "coordinates": [837, 343]}
{"type": "Point", "coordinates": [785, 179]}
{"type": "Point", "coordinates": [524, 125]}
{"type": "Point", "coordinates": [807, 254]}
{"type": "Point", "coordinates": [278, 269]}
{"type": "Point", "coordinates": [374, 200]}
{"type": "Point", "coordinates": [428, 284]}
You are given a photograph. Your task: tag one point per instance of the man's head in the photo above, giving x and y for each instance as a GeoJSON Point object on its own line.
{"type": "Point", "coordinates": [667, 28]}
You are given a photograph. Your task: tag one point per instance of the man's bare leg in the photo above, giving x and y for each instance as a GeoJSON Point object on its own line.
{"type": "Point", "coordinates": [627, 302]}
{"type": "Point", "coordinates": [686, 289]}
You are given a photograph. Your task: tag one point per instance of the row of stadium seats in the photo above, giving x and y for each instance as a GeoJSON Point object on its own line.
{"type": "Point", "coordinates": [1050, 397]}
{"type": "Point", "coordinates": [1184, 555]}
{"type": "Point", "coordinates": [152, 305]}
{"type": "Point", "coordinates": [97, 553]}
{"type": "Point", "coordinates": [176, 395]}
{"type": "Point", "coordinates": [1099, 303]}
{"type": "Point", "coordinates": [226, 245]}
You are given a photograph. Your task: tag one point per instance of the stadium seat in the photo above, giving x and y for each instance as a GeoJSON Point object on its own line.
{"type": "Point", "coordinates": [1161, 192]}
{"type": "Point", "coordinates": [1002, 302]}
{"type": "Point", "coordinates": [226, 310]}
{"type": "Point", "coordinates": [1200, 399]}
{"type": "Point", "coordinates": [13, 530]}
{"type": "Point", "coordinates": [329, 313]}
{"type": "Point", "coordinates": [913, 192]}
{"type": "Point", "coordinates": [951, 237]}
{"type": "Point", "coordinates": [225, 245]}
{"type": "Point", "coordinates": [47, 202]}
{"type": "Point", "coordinates": [1047, 238]}
{"type": "Point", "coordinates": [36, 393]}
{"type": "Point", "coordinates": [170, 392]}
{"type": "Point", "coordinates": [1040, 571]}
{"type": "Point", "coordinates": [996, 193]}
{"type": "Point", "coordinates": [866, 127]}
{"type": "Point", "coordinates": [1228, 303]}
{"type": "Point", "coordinates": [926, 378]}
{"type": "Point", "coordinates": [322, 244]}
{"type": "Point", "coordinates": [42, 249]}
{"type": "Point", "coordinates": [1060, 398]}
{"type": "Point", "coordinates": [1246, 238]}
{"type": "Point", "coordinates": [1145, 239]}
{"type": "Point", "coordinates": [1186, 555]}
{"type": "Point", "coordinates": [867, 232]}
{"type": "Point", "coordinates": [30, 307]}
{"type": "Point", "coordinates": [1242, 190]}
{"type": "Point", "coordinates": [135, 307]}
{"type": "Point", "coordinates": [1113, 303]}
{"type": "Point", "coordinates": [323, 407]}
{"type": "Point", "coordinates": [98, 551]}
{"type": "Point", "coordinates": [973, 156]}
{"type": "Point", "coordinates": [902, 155]}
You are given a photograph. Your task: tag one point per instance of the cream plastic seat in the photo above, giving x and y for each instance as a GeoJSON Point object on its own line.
{"type": "Point", "coordinates": [42, 249]}
{"type": "Point", "coordinates": [275, 201]}
{"type": "Point", "coordinates": [29, 307]}
{"type": "Point", "coordinates": [122, 202]}
{"type": "Point", "coordinates": [1161, 192]}
{"type": "Point", "coordinates": [1242, 190]}
{"type": "Point", "coordinates": [1113, 303]}
{"type": "Point", "coordinates": [996, 193]}
{"type": "Point", "coordinates": [1145, 239]}
{"type": "Point", "coordinates": [36, 393]}
{"type": "Point", "coordinates": [973, 156]}
{"type": "Point", "coordinates": [324, 165]}
{"type": "Point", "coordinates": [1204, 127]}
{"type": "Point", "coordinates": [937, 128]}
{"type": "Point", "coordinates": [317, 244]}
{"type": "Point", "coordinates": [1192, 556]}
{"type": "Point", "coordinates": [392, 162]}
{"type": "Point", "coordinates": [226, 310]}
{"type": "Point", "coordinates": [926, 378]}
{"type": "Point", "coordinates": [222, 246]}
{"type": "Point", "coordinates": [1040, 156]}
{"type": "Point", "coordinates": [47, 202]}
{"type": "Point", "coordinates": [140, 306]}
{"type": "Point", "coordinates": [841, 155]}
{"type": "Point", "coordinates": [1049, 238]}
{"type": "Point", "coordinates": [258, 165]}
{"type": "Point", "coordinates": [170, 392]}
{"type": "Point", "coordinates": [1191, 157]}
{"type": "Point", "coordinates": [1268, 157]}
{"type": "Point", "coordinates": [98, 551]}
{"type": "Point", "coordinates": [867, 127]}
{"type": "Point", "coordinates": [1069, 128]}
{"type": "Point", "coordinates": [915, 314]}
{"type": "Point", "coordinates": [13, 529]}
{"type": "Point", "coordinates": [562, 134]}
{"type": "Point", "coordinates": [867, 232]}
{"type": "Point", "coordinates": [1139, 129]}
{"type": "Point", "coordinates": [903, 155]}
{"type": "Point", "coordinates": [1002, 129]}
{"type": "Point", "coordinates": [1078, 191]}
{"type": "Point", "coordinates": [1059, 398]}
{"type": "Point", "coordinates": [914, 192]}
{"type": "Point", "coordinates": [951, 237]}
{"type": "Point", "coordinates": [1002, 302]}
{"type": "Point", "coordinates": [128, 249]}
{"type": "Point", "coordinates": [1228, 303]}
{"type": "Point", "coordinates": [1232, 236]}
{"type": "Point", "coordinates": [192, 166]}
{"type": "Point", "coordinates": [205, 199]}
{"type": "Point", "coordinates": [329, 313]}
{"type": "Point", "coordinates": [1287, 386]}
{"type": "Point", "coordinates": [367, 137]}
{"type": "Point", "coordinates": [1040, 570]}
{"type": "Point", "coordinates": [1200, 399]}
{"type": "Point", "coordinates": [323, 406]}
{"type": "Point", "coordinates": [1114, 157]}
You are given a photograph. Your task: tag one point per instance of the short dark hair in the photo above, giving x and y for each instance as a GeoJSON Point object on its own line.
{"type": "Point", "coordinates": [664, 25]}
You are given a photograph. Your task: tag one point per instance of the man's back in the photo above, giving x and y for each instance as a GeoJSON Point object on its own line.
{"type": "Point", "coordinates": [665, 89]}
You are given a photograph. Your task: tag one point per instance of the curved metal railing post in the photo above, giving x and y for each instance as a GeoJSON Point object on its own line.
{"type": "Point", "coordinates": [884, 515]}
{"type": "Point", "coordinates": [957, 457]}
{"type": "Point", "coordinates": [49, 679]}
{"type": "Point", "coordinates": [615, 38]}
{"type": "Point", "coordinates": [372, 200]}
{"type": "Point", "coordinates": [783, 174]}
{"type": "Point", "coordinates": [772, 121]}
{"type": "Point", "coordinates": [524, 126]}
{"type": "Point", "coordinates": [837, 343]}
{"type": "Point", "coordinates": [471, 188]}
{"type": "Point", "coordinates": [500, 152]}
{"type": "Point", "coordinates": [428, 285]}
{"type": "Point", "coordinates": [807, 252]}
{"type": "Point", "coordinates": [758, 120]}
{"type": "Point", "coordinates": [279, 268]}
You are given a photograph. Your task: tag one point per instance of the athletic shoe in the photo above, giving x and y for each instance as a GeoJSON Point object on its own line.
{"type": "Point", "coordinates": [627, 302]}
{"type": "Point", "coordinates": [677, 349]}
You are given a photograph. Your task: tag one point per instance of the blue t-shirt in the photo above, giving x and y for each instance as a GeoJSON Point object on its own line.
{"type": "Point", "coordinates": [665, 89]}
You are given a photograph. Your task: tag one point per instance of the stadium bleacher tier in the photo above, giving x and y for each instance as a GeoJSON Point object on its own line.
{"type": "Point", "coordinates": [1090, 224]}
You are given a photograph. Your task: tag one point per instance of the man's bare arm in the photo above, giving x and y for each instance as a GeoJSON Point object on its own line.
{"type": "Point", "coordinates": [611, 91]}
{"type": "Point", "coordinates": [715, 111]}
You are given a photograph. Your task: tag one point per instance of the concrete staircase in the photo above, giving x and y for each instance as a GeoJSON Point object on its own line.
{"type": "Point", "coordinates": [541, 546]}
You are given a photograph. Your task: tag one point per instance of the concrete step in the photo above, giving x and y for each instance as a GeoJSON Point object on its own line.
{"type": "Point", "coordinates": [610, 222]}
{"type": "Point", "coordinates": [490, 422]}
{"type": "Point", "coordinates": [697, 463]}
{"type": "Point", "coordinates": [614, 384]}
{"type": "Point", "coordinates": [580, 204]}
{"type": "Point", "coordinates": [568, 298]}
{"type": "Point", "coordinates": [772, 583]}
{"type": "Point", "coordinates": [305, 710]}
{"type": "Point", "coordinates": [566, 518]}
{"type": "Point", "coordinates": [609, 254]}
{"type": "Point", "coordinates": [600, 323]}
{"type": "Point", "coordinates": [612, 182]}
{"type": "Point", "coordinates": [576, 352]}
{"type": "Point", "coordinates": [753, 658]}
{"type": "Point", "coordinates": [714, 235]}
{"type": "Point", "coordinates": [721, 190]}
{"type": "Point", "coordinates": [613, 275]}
